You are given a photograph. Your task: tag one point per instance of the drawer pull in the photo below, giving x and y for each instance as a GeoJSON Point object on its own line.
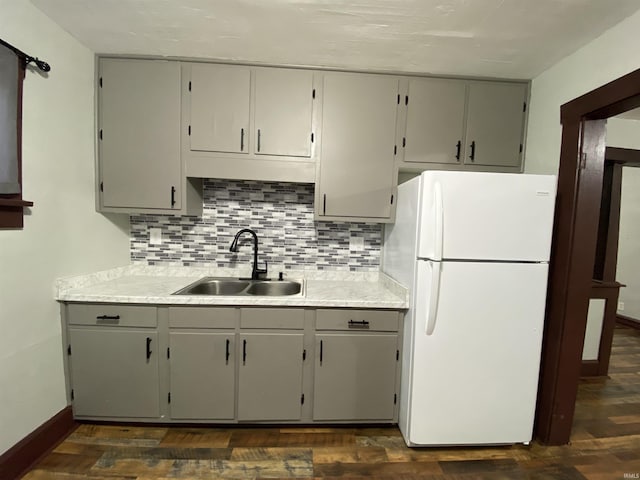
{"type": "Point", "coordinates": [148, 348]}
{"type": "Point", "coordinates": [356, 324]}
{"type": "Point", "coordinates": [111, 319]}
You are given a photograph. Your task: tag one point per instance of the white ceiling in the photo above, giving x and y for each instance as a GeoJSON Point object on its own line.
{"type": "Point", "coordinates": [492, 38]}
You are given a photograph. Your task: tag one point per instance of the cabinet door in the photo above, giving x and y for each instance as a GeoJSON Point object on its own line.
{"type": "Point", "coordinates": [139, 139]}
{"type": "Point", "coordinates": [435, 121]}
{"type": "Point", "coordinates": [358, 142]}
{"type": "Point", "coordinates": [220, 108]}
{"type": "Point", "coordinates": [114, 372]}
{"type": "Point", "coordinates": [495, 120]}
{"type": "Point", "coordinates": [283, 108]}
{"type": "Point", "coordinates": [355, 377]}
{"type": "Point", "coordinates": [270, 382]}
{"type": "Point", "coordinates": [202, 370]}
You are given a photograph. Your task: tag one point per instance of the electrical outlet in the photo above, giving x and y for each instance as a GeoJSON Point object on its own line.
{"type": "Point", "coordinates": [621, 306]}
{"type": "Point", "coordinates": [155, 236]}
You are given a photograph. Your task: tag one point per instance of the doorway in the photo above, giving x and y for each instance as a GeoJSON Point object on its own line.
{"type": "Point", "coordinates": [580, 180]}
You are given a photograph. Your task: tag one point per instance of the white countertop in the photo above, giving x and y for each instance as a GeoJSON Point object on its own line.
{"type": "Point", "coordinates": [155, 284]}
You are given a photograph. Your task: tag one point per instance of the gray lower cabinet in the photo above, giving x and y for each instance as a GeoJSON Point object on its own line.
{"type": "Point", "coordinates": [202, 375]}
{"type": "Point", "coordinates": [357, 365]}
{"type": "Point", "coordinates": [270, 379]}
{"type": "Point", "coordinates": [355, 376]}
{"type": "Point", "coordinates": [114, 372]}
{"type": "Point", "coordinates": [230, 364]}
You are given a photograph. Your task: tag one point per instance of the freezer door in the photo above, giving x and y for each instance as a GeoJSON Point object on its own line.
{"type": "Point", "coordinates": [486, 216]}
{"type": "Point", "coordinates": [474, 373]}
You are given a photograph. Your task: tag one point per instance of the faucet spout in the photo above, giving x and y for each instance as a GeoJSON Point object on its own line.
{"type": "Point", "coordinates": [255, 271]}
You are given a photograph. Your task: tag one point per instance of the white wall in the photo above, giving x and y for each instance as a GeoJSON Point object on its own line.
{"type": "Point", "coordinates": [628, 269]}
{"type": "Point", "coordinates": [606, 58]}
{"type": "Point", "coordinates": [625, 133]}
{"type": "Point", "coordinates": [63, 234]}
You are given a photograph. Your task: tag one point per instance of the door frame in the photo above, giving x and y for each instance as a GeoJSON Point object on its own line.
{"type": "Point", "coordinates": [573, 251]}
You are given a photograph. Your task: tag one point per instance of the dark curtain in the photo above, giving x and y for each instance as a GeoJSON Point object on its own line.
{"type": "Point", "coordinates": [9, 81]}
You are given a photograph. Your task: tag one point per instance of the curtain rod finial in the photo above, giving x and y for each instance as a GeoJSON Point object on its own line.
{"type": "Point", "coordinates": [42, 65]}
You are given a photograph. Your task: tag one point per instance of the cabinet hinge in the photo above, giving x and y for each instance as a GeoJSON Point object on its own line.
{"type": "Point", "coordinates": [189, 130]}
{"type": "Point", "coordinates": [395, 149]}
{"type": "Point", "coordinates": [69, 350]}
{"type": "Point", "coordinates": [395, 398]}
{"type": "Point", "coordinates": [100, 134]}
{"type": "Point", "coordinates": [101, 187]}
{"type": "Point", "coordinates": [404, 142]}
{"type": "Point", "coordinates": [72, 394]}
{"type": "Point", "coordinates": [524, 107]}
{"type": "Point", "coordinates": [397, 355]}
{"type": "Point", "coordinates": [169, 397]}
{"type": "Point", "coordinates": [304, 354]}
{"type": "Point", "coordinates": [406, 100]}
{"type": "Point", "coordinates": [100, 82]}
{"type": "Point", "coordinates": [168, 352]}
{"type": "Point", "coordinates": [313, 93]}
{"type": "Point", "coordinates": [302, 399]}
{"type": "Point", "coordinates": [398, 99]}
{"type": "Point", "coordinates": [189, 85]}
{"type": "Point", "coordinates": [312, 137]}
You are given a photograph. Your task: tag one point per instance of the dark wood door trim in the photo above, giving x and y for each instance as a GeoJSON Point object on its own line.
{"type": "Point", "coordinates": [573, 250]}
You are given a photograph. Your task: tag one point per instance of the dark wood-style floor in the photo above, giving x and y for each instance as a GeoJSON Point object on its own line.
{"type": "Point", "coordinates": [605, 445]}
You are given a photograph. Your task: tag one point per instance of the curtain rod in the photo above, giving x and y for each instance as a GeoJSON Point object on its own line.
{"type": "Point", "coordinates": [27, 59]}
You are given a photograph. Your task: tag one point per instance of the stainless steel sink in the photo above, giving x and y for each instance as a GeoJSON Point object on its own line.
{"type": "Point", "coordinates": [215, 286]}
{"type": "Point", "coordinates": [274, 287]}
{"type": "Point", "coordinates": [241, 287]}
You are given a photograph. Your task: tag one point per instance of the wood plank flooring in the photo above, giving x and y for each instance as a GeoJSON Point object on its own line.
{"type": "Point", "coordinates": [605, 445]}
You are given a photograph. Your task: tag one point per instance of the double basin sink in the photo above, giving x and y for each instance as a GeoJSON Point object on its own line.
{"type": "Point", "coordinates": [241, 287]}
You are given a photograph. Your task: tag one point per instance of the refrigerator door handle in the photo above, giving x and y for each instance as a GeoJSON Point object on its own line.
{"type": "Point", "coordinates": [439, 221]}
{"type": "Point", "coordinates": [434, 297]}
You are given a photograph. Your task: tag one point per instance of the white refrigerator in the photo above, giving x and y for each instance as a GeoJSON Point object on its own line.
{"type": "Point", "coordinates": [473, 249]}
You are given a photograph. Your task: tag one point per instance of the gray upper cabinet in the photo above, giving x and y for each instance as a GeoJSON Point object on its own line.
{"type": "Point", "coordinates": [270, 379]}
{"type": "Point", "coordinates": [283, 112]}
{"type": "Point", "coordinates": [114, 372]}
{"type": "Point", "coordinates": [356, 172]}
{"type": "Point", "coordinates": [248, 123]}
{"type": "Point", "coordinates": [139, 136]}
{"type": "Point", "coordinates": [202, 375]}
{"type": "Point", "coordinates": [495, 124]}
{"type": "Point", "coordinates": [435, 121]}
{"type": "Point", "coordinates": [462, 124]}
{"type": "Point", "coordinates": [219, 104]}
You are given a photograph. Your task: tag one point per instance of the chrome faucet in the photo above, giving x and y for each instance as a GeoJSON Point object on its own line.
{"type": "Point", "coordinates": [255, 271]}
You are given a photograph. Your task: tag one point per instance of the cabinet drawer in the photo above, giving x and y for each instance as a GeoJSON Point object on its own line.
{"type": "Point", "coordinates": [120, 315]}
{"type": "Point", "coordinates": [202, 317]}
{"type": "Point", "coordinates": [281, 318]}
{"type": "Point", "coordinates": [347, 319]}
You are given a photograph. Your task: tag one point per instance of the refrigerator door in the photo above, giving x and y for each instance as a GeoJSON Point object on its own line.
{"type": "Point", "coordinates": [486, 216]}
{"type": "Point", "coordinates": [474, 372]}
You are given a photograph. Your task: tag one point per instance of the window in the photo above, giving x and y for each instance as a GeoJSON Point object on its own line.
{"type": "Point", "coordinates": [12, 70]}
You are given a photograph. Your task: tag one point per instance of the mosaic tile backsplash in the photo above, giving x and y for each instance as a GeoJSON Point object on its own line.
{"type": "Point", "coordinates": [282, 216]}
